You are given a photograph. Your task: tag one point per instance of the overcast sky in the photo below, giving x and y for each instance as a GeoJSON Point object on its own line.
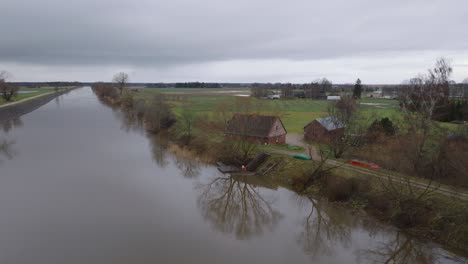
{"type": "Point", "coordinates": [379, 41]}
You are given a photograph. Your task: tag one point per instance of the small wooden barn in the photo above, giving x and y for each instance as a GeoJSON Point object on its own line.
{"type": "Point", "coordinates": [261, 129]}
{"type": "Point", "coordinates": [323, 129]}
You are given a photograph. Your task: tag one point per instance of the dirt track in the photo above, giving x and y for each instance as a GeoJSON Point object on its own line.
{"type": "Point", "coordinates": [296, 139]}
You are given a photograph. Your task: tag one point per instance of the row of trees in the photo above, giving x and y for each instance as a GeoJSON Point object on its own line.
{"type": "Point", "coordinates": [314, 90]}
{"type": "Point", "coordinates": [197, 85]}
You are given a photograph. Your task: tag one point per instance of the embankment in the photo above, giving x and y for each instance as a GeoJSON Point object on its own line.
{"type": "Point", "coordinates": [15, 110]}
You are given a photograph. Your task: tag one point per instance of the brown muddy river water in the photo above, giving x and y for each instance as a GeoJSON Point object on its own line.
{"type": "Point", "coordinates": [79, 185]}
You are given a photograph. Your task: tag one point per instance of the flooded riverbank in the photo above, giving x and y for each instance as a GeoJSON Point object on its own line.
{"type": "Point", "coordinates": [80, 185]}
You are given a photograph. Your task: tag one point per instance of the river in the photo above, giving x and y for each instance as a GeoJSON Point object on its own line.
{"type": "Point", "coordinates": [80, 185]}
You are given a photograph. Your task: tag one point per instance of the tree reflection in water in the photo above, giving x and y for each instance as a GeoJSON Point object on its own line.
{"type": "Point", "coordinates": [6, 149]}
{"type": "Point", "coordinates": [6, 146]}
{"type": "Point", "coordinates": [158, 145]}
{"type": "Point", "coordinates": [8, 125]}
{"type": "Point", "coordinates": [400, 249]}
{"type": "Point", "coordinates": [324, 227]}
{"type": "Point", "coordinates": [131, 120]}
{"type": "Point", "coordinates": [235, 206]}
{"type": "Point", "coordinates": [189, 166]}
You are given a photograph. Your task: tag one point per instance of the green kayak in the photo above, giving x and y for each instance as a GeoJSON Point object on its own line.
{"type": "Point", "coordinates": [302, 157]}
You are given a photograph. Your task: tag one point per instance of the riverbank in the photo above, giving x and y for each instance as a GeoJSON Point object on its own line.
{"type": "Point", "coordinates": [435, 218]}
{"type": "Point", "coordinates": [16, 109]}
{"type": "Point", "coordinates": [432, 217]}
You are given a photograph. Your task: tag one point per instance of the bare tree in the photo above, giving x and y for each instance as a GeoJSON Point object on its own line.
{"type": "Point", "coordinates": [419, 102]}
{"type": "Point", "coordinates": [344, 114]}
{"type": "Point", "coordinates": [7, 90]}
{"type": "Point", "coordinates": [121, 80]}
{"type": "Point", "coordinates": [4, 75]}
{"type": "Point", "coordinates": [420, 144]}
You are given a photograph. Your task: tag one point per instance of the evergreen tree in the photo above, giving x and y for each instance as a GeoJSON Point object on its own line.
{"type": "Point", "coordinates": [357, 89]}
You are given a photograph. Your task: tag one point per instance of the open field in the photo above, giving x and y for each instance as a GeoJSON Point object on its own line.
{"type": "Point", "coordinates": [295, 113]}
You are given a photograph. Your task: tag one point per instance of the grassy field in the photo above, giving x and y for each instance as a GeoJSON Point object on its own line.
{"type": "Point", "coordinates": [295, 113]}
{"type": "Point", "coordinates": [31, 92]}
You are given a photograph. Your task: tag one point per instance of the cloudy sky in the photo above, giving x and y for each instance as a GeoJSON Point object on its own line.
{"type": "Point", "coordinates": [379, 41]}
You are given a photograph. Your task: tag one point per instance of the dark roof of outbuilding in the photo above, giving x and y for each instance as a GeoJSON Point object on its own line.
{"type": "Point", "coordinates": [330, 123]}
{"type": "Point", "coordinates": [254, 125]}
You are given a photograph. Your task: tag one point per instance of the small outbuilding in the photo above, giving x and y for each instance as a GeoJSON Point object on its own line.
{"type": "Point", "coordinates": [333, 97]}
{"type": "Point", "coordinates": [261, 129]}
{"type": "Point", "coordinates": [324, 129]}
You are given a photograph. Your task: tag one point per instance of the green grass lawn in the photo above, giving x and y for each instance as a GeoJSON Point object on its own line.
{"type": "Point", "coordinates": [287, 147]}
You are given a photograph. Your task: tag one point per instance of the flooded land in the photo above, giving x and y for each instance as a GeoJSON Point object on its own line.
{"type": "Point", "coordinates": [79, 185]}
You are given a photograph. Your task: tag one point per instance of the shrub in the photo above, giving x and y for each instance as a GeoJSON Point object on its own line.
{"type": "Point", "coordinates": [158, 115]}
{"type": "Point", "coordinates": [413, 213]}
{"type": "Point", "coordinates": [105, 90]}
{"type": "Point", "coordinates": [339, 188]}
{"type": "Point", "coordinates": [127, 99]}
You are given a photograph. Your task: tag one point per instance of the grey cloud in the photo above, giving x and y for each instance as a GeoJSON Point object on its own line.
{"type": "Point", "coordinates": [184, 31]}
{"type": "Point", "coordinates": [146, 34]}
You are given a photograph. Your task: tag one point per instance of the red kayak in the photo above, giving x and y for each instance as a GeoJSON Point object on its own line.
{"type": "Point", "coordinates": [364, 164]}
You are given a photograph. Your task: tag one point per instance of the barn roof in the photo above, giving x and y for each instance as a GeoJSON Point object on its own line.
{"type": "Point", "coordinates": [330, 123]}
{"type": "Point", "coordinates": [252, 125]}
